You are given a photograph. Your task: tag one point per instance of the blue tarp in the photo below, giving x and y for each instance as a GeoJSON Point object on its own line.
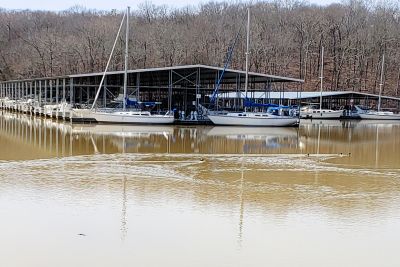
{"type": "Point", "coordinates": [134, 103]}
{"type": "Point", "coordinates": [248, 103]}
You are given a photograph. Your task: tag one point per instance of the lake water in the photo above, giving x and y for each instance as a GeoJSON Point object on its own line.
{"type": "Point", "coordinates": [325, 194]}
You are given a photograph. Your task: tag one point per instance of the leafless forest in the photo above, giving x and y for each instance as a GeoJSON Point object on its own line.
{"type": "Point", "coordinates": [286, 38]}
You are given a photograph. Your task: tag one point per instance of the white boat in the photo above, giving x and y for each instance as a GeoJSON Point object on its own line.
{"type": "Point", "coordinates": [9, 103]}
{"type": "Point", "coordinates": [63, 109]}
{"type": "Point", "coordinates": [49, 109]}
{"type": "Point", "coordinates": [25, 105]}
{"type": "Point", "coordinates": [251, 118]}
{"type": "Point", "coordinates": [313, 112]}
{"type": "Point", "coordinates": [379, 115]}
{"type": "Point", "coordinates": [124, 115]}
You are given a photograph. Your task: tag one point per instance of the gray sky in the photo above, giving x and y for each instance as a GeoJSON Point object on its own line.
{"type": "Point", "coordinates": [104, 4]}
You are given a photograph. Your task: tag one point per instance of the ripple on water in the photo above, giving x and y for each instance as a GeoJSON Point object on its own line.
{"type": "Point", "coordinates": [178, 166]}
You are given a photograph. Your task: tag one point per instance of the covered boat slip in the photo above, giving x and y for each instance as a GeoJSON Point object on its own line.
{"type": "Point", "coordinates": [184, 89]}
{"type": "Point", "coordinates": [330, 99]}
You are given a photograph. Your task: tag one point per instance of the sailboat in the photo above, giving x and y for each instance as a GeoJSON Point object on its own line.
{"type": "Point", "coordinates": [246, 118]}
{"type": "Point", "coordinates": [124, 115]}
{"type": "Point", "coordinates": [379, 115]}
{"type": "Point", "coordinates": [312, 111]}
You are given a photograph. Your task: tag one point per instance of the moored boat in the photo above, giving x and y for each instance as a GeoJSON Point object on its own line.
{"type": "Point", "coordinates": [313, 112]}
{"type": "Point", "coordinates": [246, 118]}
{"type": "Point", "coordinates": [253, 119]}
{"type": "Point", "coordinates": [124, 115]}
{"type": "Point", "coordinates": [379, 115]}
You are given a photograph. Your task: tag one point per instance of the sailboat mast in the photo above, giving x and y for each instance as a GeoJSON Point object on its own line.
{"type": "Point", "coordinates": [247, 52]}
{"type": "Point", "coordinates": [126, 55]}
{"type": "Point", "coordinates": [108, 63]}
{"type": "Point", "coordinates": [322, 78]}
{"type": "Point", "coordinates": [381, 83]}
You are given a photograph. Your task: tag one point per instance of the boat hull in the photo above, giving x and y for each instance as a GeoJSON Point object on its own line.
{"type": "Point", "coordinates": [336, 114]}
{"type": "Point", "coordinates": [119, 117]}
{"type": "Point", "coordinates": [374, 116]}
{"type": "Point", "coordinates": [251, 121]}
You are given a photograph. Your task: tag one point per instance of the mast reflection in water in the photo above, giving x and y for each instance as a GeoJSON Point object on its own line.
{"type": "Point", "coordinates": [325, 194]}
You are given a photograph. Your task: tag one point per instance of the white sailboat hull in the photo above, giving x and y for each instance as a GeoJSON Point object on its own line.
{"type": "Point", "coordinates": [379, 116]}
{"type": "Point", "coordinates": [124, 117]}
{"type": "Point", "coordinates": [325, 114]}
{"type": "Point", "coordinates": [277, 121]}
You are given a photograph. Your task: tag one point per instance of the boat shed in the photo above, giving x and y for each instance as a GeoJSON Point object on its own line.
{"type": "Point", "coordinates": [177, 87]}
{"type": "Point", "coordinates": [330, 99]}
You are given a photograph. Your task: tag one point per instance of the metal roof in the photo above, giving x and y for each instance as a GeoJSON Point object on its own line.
{"type": "Point", "coordinates": [254, 75]}
{"type": "Point", "coordinates": [300, 95]}
{"type": "Point", "coordinates": [206, 73]}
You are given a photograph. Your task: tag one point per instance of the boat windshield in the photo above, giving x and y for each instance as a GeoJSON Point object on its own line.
{"type": "Point", "coordinates": [364, 108]}
{"type": "Point", "coordinates": [278, 111]}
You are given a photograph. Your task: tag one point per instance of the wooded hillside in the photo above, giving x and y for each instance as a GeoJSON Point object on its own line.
{"type": "Point", "coordinates": [286, 39]}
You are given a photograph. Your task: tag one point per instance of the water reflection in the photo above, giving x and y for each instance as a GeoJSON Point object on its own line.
{"type": "Point", "coordinates": [57, 139]}
{"type": "Point", "coordinates": [368, 143]}
{"type": "Point", "coordinates": [157, 189]}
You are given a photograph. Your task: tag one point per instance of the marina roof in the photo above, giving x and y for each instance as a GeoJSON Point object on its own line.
{"type": "Point", "coordinates": [207, 72]}
{"type": "Point", "coordinates": [302, 95]}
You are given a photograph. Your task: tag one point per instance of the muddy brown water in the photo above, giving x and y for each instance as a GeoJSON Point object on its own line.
{"type": "Point", "coordinates": [325, 194]}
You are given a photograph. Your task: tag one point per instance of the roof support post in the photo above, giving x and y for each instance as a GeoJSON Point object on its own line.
{"type": "Point", "coordinates": [51, 91]}
{"type": "Point", "coordinates": [45, 91]}
{"type": "Point", "coordinates": [63, 91]}
{"type": "Point", "coordinates": [57, 90]}
{"type": "Point", "coordinates": [27, 89]}
{"type": "Point", "coordinates": [40, 93]}
{"type": "Point", "coordinates": [80, 95]}
{"type": "Point", "coordinates": [138, 86]}
{"type": "Point", "coordinates": [71, 91]}
{"type": "Point", "coordinates": [30, 89]}
{"type": "Point", "coordinates": [170, 90]}
{"type": "Point", "coordinates": [36, 94]}
{"type": "Point", "coordinates": [198, 73]}
{"type": "Point", "coordinates": [105, 91]}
